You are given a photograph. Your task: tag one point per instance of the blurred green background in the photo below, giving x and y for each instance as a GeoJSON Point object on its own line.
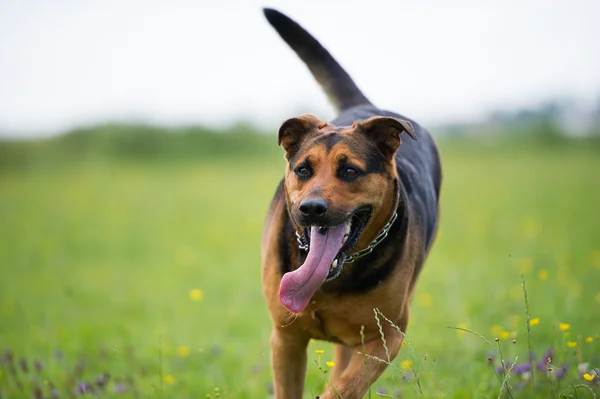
{"type": "Point", "coordinates": [130, 266]}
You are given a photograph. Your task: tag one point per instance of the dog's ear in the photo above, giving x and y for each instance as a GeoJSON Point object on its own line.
{"type": "Point", "coordinates": [385, 132]}
{"type": "Point", "coordinates": [293, 131]}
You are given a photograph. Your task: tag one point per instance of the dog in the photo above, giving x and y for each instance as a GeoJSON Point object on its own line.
{"type": "Point", "coordinates": [348, 230]}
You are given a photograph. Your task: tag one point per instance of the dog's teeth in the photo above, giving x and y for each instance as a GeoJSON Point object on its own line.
{"type": "Point", "coordinates": [334, 265]}
{"type": "Point", "coordinates": [345, 239]}
{"type": "Point", "coordinates": [348, 229]}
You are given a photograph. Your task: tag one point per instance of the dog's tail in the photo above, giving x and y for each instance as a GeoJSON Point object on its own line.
{"type": "Point", "coordinates": [335, 81]}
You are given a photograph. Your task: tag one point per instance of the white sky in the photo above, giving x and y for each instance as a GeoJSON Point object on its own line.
{"type": "Point", "coordinates": [67, 63]}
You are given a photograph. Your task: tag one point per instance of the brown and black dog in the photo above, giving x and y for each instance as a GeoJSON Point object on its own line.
{"type": "Point", "coordinates": [347, 231]}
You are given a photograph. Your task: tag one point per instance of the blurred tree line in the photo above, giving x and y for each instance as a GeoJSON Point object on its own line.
{"type": "Point", "coordinates": [552, 123]}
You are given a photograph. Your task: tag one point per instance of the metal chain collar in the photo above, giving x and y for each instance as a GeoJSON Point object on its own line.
{"type": "Point", "coordinates": [363, 252]}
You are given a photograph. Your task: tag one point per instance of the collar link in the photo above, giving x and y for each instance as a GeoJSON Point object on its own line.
{"type": "Point", "coordinates": [363, 252]}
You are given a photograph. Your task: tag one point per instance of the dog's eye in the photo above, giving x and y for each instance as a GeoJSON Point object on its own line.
{"type": "Point", "coordinates": [348, 173]}
{"type": "Point", "coordinates": [303, 171]}
{"type": "Point", "coordinates": [351, 172]}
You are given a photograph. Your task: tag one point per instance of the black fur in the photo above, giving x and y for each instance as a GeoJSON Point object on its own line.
{"type": "Point", "coordinates": [417, 162]}
{"type": "Point", "coordinates": [336, 82]}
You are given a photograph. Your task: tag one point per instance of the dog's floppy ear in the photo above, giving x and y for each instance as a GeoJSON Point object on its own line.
{"type": "Point", "coordinates": [385, 132]}
{"type": "Point", "coordinates": [293, 131]}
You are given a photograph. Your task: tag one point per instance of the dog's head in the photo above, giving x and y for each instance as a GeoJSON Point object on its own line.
{"type": "Point", "coordinates": [340, 184]}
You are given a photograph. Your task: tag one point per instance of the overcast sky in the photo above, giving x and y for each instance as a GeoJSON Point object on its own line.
{"type": "Point", "coordinates": [67, 63]}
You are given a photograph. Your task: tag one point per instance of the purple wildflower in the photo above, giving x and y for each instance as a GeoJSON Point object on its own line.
{"type": "Point", "coordinates": [543, 363]}
{"type": "Point", "coordinates": [561, 372]}
{"type": "Point", "coordinates": [501, 369]}
{"type": "Point", "coordinates": [83, 387]}
{"type": "Point", "coordinates": [23, 365]}
{"type": "Point", "coordinates": [120, 388]}
{"type": "Point", "coordinates": [37, 365]}
{"type": "Point", "coordinates": [54, 394]}
{"type": "Point", "coordinates": [522, 368]}
{"type": "Point", "coordinates": [102, 380]}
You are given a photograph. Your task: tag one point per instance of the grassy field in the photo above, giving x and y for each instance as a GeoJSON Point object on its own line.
{"type": "Point", "coordinates": [140, 278]}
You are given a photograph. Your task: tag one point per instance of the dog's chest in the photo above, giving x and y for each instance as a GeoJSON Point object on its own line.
{"type": "Point", "coordinates": [334, 323]}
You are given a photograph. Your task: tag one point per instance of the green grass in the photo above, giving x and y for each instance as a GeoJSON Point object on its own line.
{"type": "Point", "coordinates": [98, 256]}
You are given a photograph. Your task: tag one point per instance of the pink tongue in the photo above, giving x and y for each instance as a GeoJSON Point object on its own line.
{"type": "Point", "coordinates": [299, 286]}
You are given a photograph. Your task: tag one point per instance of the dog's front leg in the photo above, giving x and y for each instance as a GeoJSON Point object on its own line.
{"type": "Point", "coordinates": [362, 370]}
{"type": "Point", "coordinates": [288, 359]}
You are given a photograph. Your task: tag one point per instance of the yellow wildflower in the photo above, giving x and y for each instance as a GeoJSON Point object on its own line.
{"type": "Point", "coordinates": [564, 326]}
{"type": "Point", "coordinates": [534, 321]}
{"type": "Point", "coordinates": [169, 379]}
{"type": "Point", "coordinates": [589, 340]}
{"type": "Point", "coordinates": [319, 351]}
{"type": "Point", "coordinates": [504, 335]}
{"type": "Point", "coordinates": [183, 350]}
{"type": "Point", "coordinates": [543, 274]}
{"type": "Point", "coordinates": [588, 377]}
{"type": "Point", "coordinates": [496, 330]}
{"type": "Point", "coordinates": [571, 344]}
{"type": "Point", "coordinates": [330, 364]}
{"type": "Point", "coordinates": [196, 294]}
{"type": "Point", "coordinates": [406, 364]}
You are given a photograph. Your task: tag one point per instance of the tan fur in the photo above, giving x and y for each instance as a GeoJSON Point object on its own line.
{"type": "Point", "coordinates": [330, 316]}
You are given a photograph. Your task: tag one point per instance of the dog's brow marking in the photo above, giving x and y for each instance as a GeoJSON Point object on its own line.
{"type": "Point", "coordinates": [330, 139]}
{"type": "Point", "coordinates": [294, 162]}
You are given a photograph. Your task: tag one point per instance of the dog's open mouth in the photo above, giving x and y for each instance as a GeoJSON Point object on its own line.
{"type": "Point", "coordinates": [328, 248]}
{"type": "Point", "coordinates": [353, 228]}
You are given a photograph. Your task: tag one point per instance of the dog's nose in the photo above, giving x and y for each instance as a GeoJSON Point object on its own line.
{"type": "Point", "coordinates": [313, 207]}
